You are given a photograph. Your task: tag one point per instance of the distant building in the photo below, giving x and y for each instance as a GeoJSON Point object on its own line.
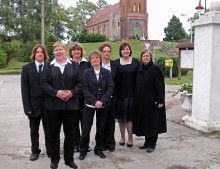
{"type": "Point", "coordinates": [123, 20]}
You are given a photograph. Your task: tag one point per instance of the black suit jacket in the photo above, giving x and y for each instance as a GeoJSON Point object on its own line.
{"type": "Point", "coordinates": [53, 80]}
{"type": "Point", "coordinates": [115, 68]}
{"type": "Point", "coordinates": [33, 96]}
{"type": "Point", "coordinates": [100, 90]}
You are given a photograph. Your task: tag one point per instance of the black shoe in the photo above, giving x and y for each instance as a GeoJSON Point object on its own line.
{"type": "Point", "coordinates": [82, 155]}
{"type": "Point", "coordinates": [111, 149]}
{"type": "Point", "coordinates": [34, 156]}
{"type": "Point", "coordinates": [100, 154]}
{"type": "Point", "coordinates": [129, 145]}
{"type": "Point", "coordinates": [76, 149]}
{"type": "Point", "coordinates": [150, 150]}
{"type": "Point", "coordinates": [104, 148]}
{"type": "Point", "coordinates": [143, 147]}
{"type": "Point", "coordinates": [71, 164]}
{"type": "Point", "coordinates": [121, 143]}
{"type": "Point", "coordinates": [54, 165]}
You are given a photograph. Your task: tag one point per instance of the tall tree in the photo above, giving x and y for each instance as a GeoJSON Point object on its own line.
{"type": "Point", "coordinates": [101, 4]}
{"type": "Point", "coordinates": [174, 30]}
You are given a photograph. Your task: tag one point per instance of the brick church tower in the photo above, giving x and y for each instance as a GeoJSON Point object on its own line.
{"type": "Point", "coordinates": [134, 18]}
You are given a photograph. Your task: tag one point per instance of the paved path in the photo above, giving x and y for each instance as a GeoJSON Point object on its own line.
{"type": "Point", "coordinates": [179, 148]}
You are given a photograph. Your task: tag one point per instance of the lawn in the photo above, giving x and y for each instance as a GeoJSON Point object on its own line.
{"type": "Point", "coordinates": [188, 78]}
{"type": "Point", "coordinates": [14, 66]}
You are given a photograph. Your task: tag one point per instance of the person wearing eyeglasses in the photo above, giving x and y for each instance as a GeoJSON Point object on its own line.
{"type": "Point", "coordinates": [114, 68]}
{"type": "Point", "coordinates": [63, 84]}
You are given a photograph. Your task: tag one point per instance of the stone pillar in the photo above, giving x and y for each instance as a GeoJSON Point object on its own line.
{"type": "Point", "coordinates": [206, 74]}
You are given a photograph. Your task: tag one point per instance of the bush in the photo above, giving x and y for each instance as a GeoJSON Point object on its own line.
{"type": "Point", "coordinates": [26, 51]}
{"type": "Point", "coordinates": [166, 70]}
{"type": "Point", "coordinates": [85, 37]}
{"type": "Point", "coordinates": [13, 49]}
{"type": "Point", "coordinates": [3, 56]}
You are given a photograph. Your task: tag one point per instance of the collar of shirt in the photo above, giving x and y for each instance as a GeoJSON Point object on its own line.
{"type": "Point", "coordinates": [106, 66]}
{"type": "Point", "coordinates": [54, 62]}
{"type": "Point", "coordinates": [37, 65]}
{"type": "Point", "coordinates": [84, 60]}
{"type": "Point", "coordinates": [97, 73]}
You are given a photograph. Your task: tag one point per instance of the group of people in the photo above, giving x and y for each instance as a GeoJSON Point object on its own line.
{"type": "Point", "coordinates": [69, 91]}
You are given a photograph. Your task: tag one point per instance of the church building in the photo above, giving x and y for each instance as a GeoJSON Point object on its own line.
{"type": "Point", "coordinates": [124, 20]}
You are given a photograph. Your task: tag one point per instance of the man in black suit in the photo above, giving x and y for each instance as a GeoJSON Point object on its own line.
{"type": "Point", "coordinates": [113, 67]}
{"type": "Point", "coordinates": [98, 89]}
{"type": "Point", "coordinates": [33, 98]}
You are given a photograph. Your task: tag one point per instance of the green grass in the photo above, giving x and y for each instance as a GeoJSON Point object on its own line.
{"type": "Point", "coordinates": [137, 47]}
{"type": "Point", "coordinates": [188, 78]}
{"type": "Point", "coordinates": [14, 66]}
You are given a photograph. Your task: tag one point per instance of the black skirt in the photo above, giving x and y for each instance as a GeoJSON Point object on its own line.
{"type": "Point", "coordinates": [125, 109]}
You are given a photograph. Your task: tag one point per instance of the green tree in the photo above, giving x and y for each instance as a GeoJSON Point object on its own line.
{"type": "Point", "coordinates": [101, 4]}
{"type": "Point", "coordinates": [174, 30]}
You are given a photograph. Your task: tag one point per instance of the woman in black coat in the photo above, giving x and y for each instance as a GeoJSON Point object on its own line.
{"type": "Point", "coordinates": [150, 117]}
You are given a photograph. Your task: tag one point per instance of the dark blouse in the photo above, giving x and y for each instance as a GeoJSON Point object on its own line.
{"type": "Point", "coordinates": [128, 74]}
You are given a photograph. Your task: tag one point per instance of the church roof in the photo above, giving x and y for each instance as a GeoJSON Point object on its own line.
{"type": "Point", "coordinates": [103, 15]}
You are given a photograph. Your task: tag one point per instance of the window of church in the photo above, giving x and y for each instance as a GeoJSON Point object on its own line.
{"type": "Point", "coordinates": [134, 7]}
{"type": "Point", "coordinates": [139, 8]}
{"type": "Point", "coordinates": [118, 24]}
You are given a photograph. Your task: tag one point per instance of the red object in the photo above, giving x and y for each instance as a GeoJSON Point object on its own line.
{"type": "Point", "coordinates": [199, 7]}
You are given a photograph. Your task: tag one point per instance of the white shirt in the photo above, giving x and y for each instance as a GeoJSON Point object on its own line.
{"type": "Point", "coordinates": [106, 66]}
{"type": "Point", "coordinates": [37, 65]}
{"type": "Point", "coordinates": [97, 73]}
{"type": "Point", "coordinates": [54, 62]}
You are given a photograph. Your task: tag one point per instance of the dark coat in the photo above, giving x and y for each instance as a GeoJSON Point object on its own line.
{"type": "Point", "coordinates": [82, 67]}
{"type": "Point", "coordinates": [100, 90]}
{"type": "Point", "coordinates": [33, 96]}
{"type": "Point", "coordinates": [115, 72]}
{"type": "Point", "coordinates": [53, 80]}
{"type": "Point", "coordinates": [148, 120]}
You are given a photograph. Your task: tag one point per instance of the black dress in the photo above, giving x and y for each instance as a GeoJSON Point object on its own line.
{"type": "Point", "coordinates": [125, 106]}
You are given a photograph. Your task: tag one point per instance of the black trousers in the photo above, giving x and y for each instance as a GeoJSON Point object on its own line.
{"type": "Point", "coordinates": [79, 121]}
{"type": "Point", "coordinates": [56, 119]}
{"type": "Point", "coordinates": [101, 117]}
{"type": "Point", "coordinates": [34, 124]}
{"type": "Point", "coordinates": [109, 132]}
{"type": "Point", "coordinates": [151, 141]}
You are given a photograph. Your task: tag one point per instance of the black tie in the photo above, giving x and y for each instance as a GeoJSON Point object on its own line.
{"type": "Point", "coordinates": [40, 68]}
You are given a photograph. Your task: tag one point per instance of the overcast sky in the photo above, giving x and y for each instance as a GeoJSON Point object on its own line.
{"type": "Point", "coordinates": [160, 12]}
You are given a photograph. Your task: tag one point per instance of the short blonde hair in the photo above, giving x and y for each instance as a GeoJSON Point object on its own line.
{"type": "Point", "coordinates": [59, 43]}
{"type": "Point", "coordinates": [34, 50]}
{"type": "Point", "coordinates": [95, 52]}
